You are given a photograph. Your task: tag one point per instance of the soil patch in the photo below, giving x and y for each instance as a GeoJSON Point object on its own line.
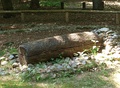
{"type": "Point", "coordinates": [12, 37]}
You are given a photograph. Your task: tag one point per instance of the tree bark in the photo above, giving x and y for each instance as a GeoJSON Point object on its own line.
{"type": "Point", "coordinates": [45, 49]}
{"type": "Point", "coordinates": [34, 4]}
{"type": "Point", "coordinates": [7, 5]}
{"type": "Point", "coordinates": [98, 4]}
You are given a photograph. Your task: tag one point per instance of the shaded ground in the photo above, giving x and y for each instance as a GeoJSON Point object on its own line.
{"type": "Point", "coordinates": [49, 24]}
{"type": "Point", "coordinates": [18, 34]}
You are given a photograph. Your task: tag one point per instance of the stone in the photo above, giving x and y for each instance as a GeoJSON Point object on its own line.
{"type": "Point", "coordinates": [87, 57]}
{"type": "Point", "coordinates": [73, 64]}
{"type": "Point", "coordinates": [30, 65]}
{"type": "Point", "coordinates": [59, 67]}
{"type": "Point", "coordinates": [64, 65]}
{"type": "Point", "coordinates": [68, 67]}
{"type": "Point", "coordinates": [43, 70]}
{"type": "Point", "coordinates": [103, 29]}
{"type": "Point", "coordinates": [3, 63]}
{"type": "Point", "coordinates": [15, 70]}
{"type": "Point", "coordinates": [29, 69]}
{"type": "Point", "coordinates": [109, 32]}
{"type": "Point", "coordinates": [23, 68]}
{"type": "Point", "coordinates": [43, 76]}
{"type": "Point", "coordinates": [2, 69]}
{"type": "Point", "coordinates": [2, 58]}
{"type": "Point", "coordinates": [14, 65]}
{"type": "Point", "coordinates": [17, 60]}
{"type": "Point", "coordinates": [110, 55]}
{"type": "Point", "coordinates": [99, 57]}
{"type": "Point", "coordinates": [102, 35]}
{"type": "Point", "coordinates": [116, 56]}
{"type": "Point", "coordinates": [108, 63]}
{"type": "Point", "coordinates": [48, 70]}
{"type": "Point", "coordinates": [53, 75]}
{"type": "Point", "coordinates": [67, 59]}
{"type": "Point", "coordinates": [12, 61]}
{"type": "Point", "coordinates": [108, 48]}
{"type": "Point", "coordinates": [11, 57]}
{"type": "Point", "coordinates": [53, 68]}
{"type": "Point", "coordinates": [83, 62]}
{"type": "Point", "coordinates": [115, 36]}
{"type": "Point", "coordinates": [4, 73]}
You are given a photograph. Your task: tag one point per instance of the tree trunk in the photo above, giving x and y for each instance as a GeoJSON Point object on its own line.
{"type": "Point", "coordinates": [34, 4]}
{"type": "Point", "coordinates": [45, 49]}
{"type": "Point", "coordinates": [7, 5]}
{"type": "Point", "coordinates": [98, 4]}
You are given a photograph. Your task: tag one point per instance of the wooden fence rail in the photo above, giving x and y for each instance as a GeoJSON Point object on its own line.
{"type": "Point", "coordinates": [22, 12]}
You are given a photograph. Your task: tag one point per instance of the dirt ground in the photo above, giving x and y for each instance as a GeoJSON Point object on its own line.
{"type": "Point", "coordinates": [38, 26]}
{"type": "Point", "coordinates": [9, 36]}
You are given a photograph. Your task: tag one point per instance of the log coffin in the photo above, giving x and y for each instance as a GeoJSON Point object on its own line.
{"type": "Point", "coordinates": [51, 47]}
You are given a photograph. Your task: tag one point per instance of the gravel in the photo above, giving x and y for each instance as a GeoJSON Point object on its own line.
{"type": "Point", "coordinates": [109, 55]}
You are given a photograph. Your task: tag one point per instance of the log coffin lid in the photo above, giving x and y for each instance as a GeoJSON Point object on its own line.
{"type": "Point", "coordinates": [63, 41]}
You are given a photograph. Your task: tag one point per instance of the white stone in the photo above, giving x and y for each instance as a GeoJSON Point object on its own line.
{"type": "Point", "coordinates": [43, 76]}
{"type": "Point", "coordinates": [74, 65]}
{"type": "Point", "coordinates": [68, 67]}
{"type": "Point", "coordinates": [86, 57]}
{"type": "Point", "coordinates": [53, 68]}
{"type": "Point", "coordinates": [100, 57]}
{"type": "Point", "coordinates": [2, 58]}
{"type": "Point", "coordinates": [11, 57]}
{"type": "Point", "coordinates": [108, 48]}
{"type": "Point", "coordinates": [78, 62]}
{"type": "Point", "coordinates": [103, 29]}
{"type": "Point", "coordinates": [53, 75]}
{"type": "Point", "coordinates": [101, 35]}
{"type": "Point", "coordinates": [48, 70]}
{"type": "Point", "coordinates": [109, 32]}
{"type": "Point", "coordinates": [3, 73]}
{"type": "Point", "coordinates": [59, 67]}
{"type": "Point", "coordinates": [83, 62]}
{"type": "Point", "coordinates": [71, 62]}
{"type": "Point", "coordinates": [115, 36]}
{"type": "Point", "coordinates": [30, 65]}
{"type": "Point", "coordinates": [108, 63]}
{"type": "Point", "coordinates": [23, 68]}
{"type": "Point", "coordinates": [12, 61]}
{"type": "Point", "coordinates": [67, 59]}
{"type": "Point", "coordinates": [29, 69]}
{"type": "Point", "coordinates": [14, 65]}
{"type": "Point", "coordinates": [116, 56]}
{"type": "Point", "coordinates": [2, 69]}
{"type": "Point", "coordinates": [4, 63]}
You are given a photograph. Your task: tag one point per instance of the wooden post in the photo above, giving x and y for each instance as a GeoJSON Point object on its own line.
{"type": "Point", "coordinates": [22, 17]}
{"type": "Point", "coordinates": [117, 18]}
{"type": "Point", "coordinates": [67, 17]}
{"type": "Point", "coordinates": [98, 4]}
{"type": "Point", "coordinates": [62, 5]}
{"type": "Point", "coordinates": [83, 5]}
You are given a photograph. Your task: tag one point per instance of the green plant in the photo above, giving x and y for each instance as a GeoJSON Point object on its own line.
{"type": "Point", "coordinates": [10, 50]}
{"type": "Point", "coordinates": [2, 52]}
{"type": "Point", "coordinates": [94, 50]}
{"type": "Point", "coordinates": [50, 3]}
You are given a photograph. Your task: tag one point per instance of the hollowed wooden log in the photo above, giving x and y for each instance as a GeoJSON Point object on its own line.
{"type": "Point", "coordinates": [51, 47]}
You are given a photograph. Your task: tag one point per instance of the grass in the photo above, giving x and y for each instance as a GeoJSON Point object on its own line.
{"type": "Point", "coordinates": [101, 78]}
{"type": "Point", "coordinates": [98, 79]}
{"type": "Point", "coordinates": [9, 49]}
